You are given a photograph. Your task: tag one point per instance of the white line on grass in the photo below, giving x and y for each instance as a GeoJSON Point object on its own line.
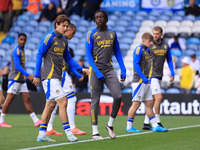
{"type": "Point", "coordinates": [90, 140]}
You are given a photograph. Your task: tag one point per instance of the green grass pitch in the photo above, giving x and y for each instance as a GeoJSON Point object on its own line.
{"type": "Point", "coordinates": [23, 134]}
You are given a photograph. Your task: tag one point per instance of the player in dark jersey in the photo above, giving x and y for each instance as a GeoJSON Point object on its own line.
{"type": "Point", "coordinates": [17, 82]}
{"type": "Point", "coordinates": [53, 48]}
{"type": "Point", "coordinates": [101, 44]}
{"type": "Point", "coordinates": [158, 52]}
{"type": "Point", "coordinates": [140, 85]}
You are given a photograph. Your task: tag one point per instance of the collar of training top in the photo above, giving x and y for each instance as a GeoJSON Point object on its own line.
{"type": "Point", "coordinates": [57, 33]}
{"type": "Point", "coordinates": [101, 29]}
{"type": "Point", "coordinates": [144, 46]}
{"type": "Point", "coordinates": [162, 41]}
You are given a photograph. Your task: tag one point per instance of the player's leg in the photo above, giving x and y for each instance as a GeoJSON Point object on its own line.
{"type": "Point", "coordinates": [113, 85]}
{"type": "Point", "coordinates": [2, 98]}
{"type": "Point", "coordinates": [95, 87]}
{"type": "Point", "coordinates": [50, 130]}
{"type": "Point", "coordinates": [71, 103]}
{"type": "Point", "coordinates": [13, 87]}
{"type": "Point", "coordinates": [23, 90]}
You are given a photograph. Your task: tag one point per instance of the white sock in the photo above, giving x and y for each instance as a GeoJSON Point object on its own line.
{"type": "Point", "coordinates": [68, 131]}
{"type": "Point", "coordinates": [146, 120]}
{"type": "Point", "coordinates": [71, 105]}
{"type": "Point", "coordinates": [95, 129]}
{"type": "Point", "coordinates": [153, 122]}
{"type": "Point", "coordinates": [2, 119]}
{"type": "Point", "coordinates": [42, 133]}
{"type": "Point", "coordinates": [53, 114]}
{"type": "Point", "coordinates": [110, 122]}
{"type": "Point", "coordinates": [34, 117]}
{"type": "Point", "coordinates": [130, 122]}
{"type": "Point", "coordinates": [157, 118]}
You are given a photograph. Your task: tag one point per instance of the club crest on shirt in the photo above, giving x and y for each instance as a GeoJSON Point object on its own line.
{"type": "Point", "coordinates": [165, 46]}
{"type": "Point", "coordinates": [156, 90]}
{"type": "Point", "coordinates": [111, 35]}
{"type": "Point", "coordinates": [70, 87]}
{"type": "Point", "coordinates": [139, 97]}
{"type": "Point", "coordinates": [64, 44]}
{"type": "Point", "coordinates": [14, 90]}
{"type": "Point", "coordinates": [57, 91]}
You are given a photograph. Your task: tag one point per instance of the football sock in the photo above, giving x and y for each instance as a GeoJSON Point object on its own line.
{"type": "Point", "coordinates": [146, 119]}
{"type": "Point", "coordinates": [67, 129]}
{"type": "Point", "coordinates": [53, 114]}
{"type": "Point", "coordinates": [130, 122]}
{"type": "Point", "coordinates": [34, 117]}
{"type": "Point", "coordinates": [157, 118]}
{"type": "Point", "coordinates": [95, 129]}
{"type": "Point", "coordinates": [43, 129]}
{"type": "Point", "coordinates": [153, 121]}
{"type": "Point", "coordinates": [2, 119]}
{"type": "Point", "coordinates": [71, 105]}
{"type": "Point", "coordinates": [110, 122]}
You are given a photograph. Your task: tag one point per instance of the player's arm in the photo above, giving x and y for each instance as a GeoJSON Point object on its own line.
{"type": "Point", "coordinates": [170, 62]}
{"type": "Point", "coordinates": [89, 48]}
{"type": "Point", "coordinates": [44, 46]}
{"type": "Point", "coordinates": [67, 57]}
{"type": "Point", "coordinates": [137, 54]}
{"type": "Point", "coordinates": [119, 58]}
{"type": "Point", "coordinates": [78, 75]}
{"type": "Point", "coordinates": [16, 58]}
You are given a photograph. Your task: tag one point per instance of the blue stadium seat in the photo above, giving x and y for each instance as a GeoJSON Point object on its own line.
{"type": "Point", "coordinates": [34, 40]}
{"type": "Point", "coordinates": [115, 65]}
{"type": "Point", "coordinates": [162, 90]}
{"type": "Point", "coordinates": [142, 13]}
{"type": "Point", "coordinates": [123, 23]}
{"type": "Point", "coordinates": [29, 29]}
{"type": "Point", "coordinates": [38, 34]}
{"type": "Point", "coordinates": [28, 13]}
{"type": "Point", "coordinates": [117, 13]}
{"type": "Point", "coordinates": [126, 41]}
{"type": "Point", "coordinates": [176, 52]}
{"type": "Point", "coordinates": [127, 90]}
{"type": "Point", "coordinates": [129, 13]}
{"type": "Point", "coordinates": [193, 40]}
{"type": "Point", "coordinates": [125, 47]}
{"type": "Point", "coordinates": [75, 40]}
{"type": "Point", "coordinates": [119, 35]}
{"type": "Point", "coordinates": [79, 35]}
{"type": "Point", "coordinates": [82, 29]}
{"type": "Point", "coordinates": [23, 17]}
{"type": "Point", "coordinates": [154, 13]}
{"type": "Point", "coordinates": [30, 71]}
{"type": "Point", "coordinates": [30, 65]}
{"type": "Point", "coordinates": [168, 13]}
{"type": "Point", "coordinates": [166, 18]}
{"type": "Point", "coordinates": [173, 91]}
{"type": "Point", "coordinates": [9, 40]}
{"type": "Point", "coordinates": [20, 23]}
{"type": "Point", "coordinates": [197, 53]}
{"type": "Point", "coordinates": [120, 29]}
{"type": "Point", "coordinates": [2, 52]}
{"type": "Point", "coordinates": [37, 16]}
{"type": "Point", "coordinates": [28, 34]}
{"type": "Point", "coordinates": [113, 18]}
{"type": "Point", "coordinates": [42, 29]}
{"type": "Point", "coordinates": [12, 34]}
{"type": "Point", "coordinates": [16, 29]}
{"type": "Point", "coordinates": [81, 46]}
{"type": "Point", "coordinates": [75, 17]}
{"type": "Point", "coordinates": [192, 46]}
{"type": "Point", "coordinates": [30, 46]}
{"type": "Point", "coordinates": [153, 18]}
{"type": "Point", "coordinates": [6, 58]}
{"type": "Point", "coordinates": [46, 23]}
{"type": "Point", "coordinates": [189, 52]}
{"type": "Point", "coordinates": [84, 23]}
{"type": "Point", "coordinates": [178, 18]}
{"type": "Point", "coordinates": [180, 13]}
{"type": "Point", "coordinates": [72, 46]}
{"type": "Point", "coordinates": [126, 18]}
{"type": "Point", "coordinates": [129, 35]}
{"type": "Point", "coordinates": [5, 46]}
{"type": "Point", "coordinates": [111, 23]}
{"type": "Point", "coordinates": [139, 18]}
{"type": "Point", "coordinates": [136, 23]}
{"type": "Point", "coordinates": [190, 17]}
{"type": "Point", "coordinates": [133, 29]}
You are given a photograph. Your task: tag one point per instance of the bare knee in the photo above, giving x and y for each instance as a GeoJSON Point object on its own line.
{"type": "Point", "coordinates": [158, 97]}
{"type": "Point", "coordinates": [62, 102]}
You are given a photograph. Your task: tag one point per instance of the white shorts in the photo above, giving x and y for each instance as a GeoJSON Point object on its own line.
{"type": "Point", "coordinates": [67, 85]}
{"type": "Point", "coordinates": [53, 89]}
{"type": "Point", "coordinates": [141, 92]}
{"type": "Point", "coordinates": [17, 87]}
{"type": "Point", "coordinates": [155, 86]}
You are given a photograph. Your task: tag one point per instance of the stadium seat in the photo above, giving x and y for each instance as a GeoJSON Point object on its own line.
{"type": "Point", "coordinates": [133, 29]}
{"type": "Point", "coordinates": [115, 65]}
{"type": "Point", "coordinates": [126, 18]}
{"type": "Point", "coordinates": [81, 46]}
{"type": "Point", "coordinates": [197, 23]}
{"type": "Point", "coordinates": [123, 23]}
{"type": "Point", "coordinates": [75, 40]}
{"type": "Point", "coordinates": [111, 23]}
{"type": "Point", "coordinates": [197, 53]}
{"type": "Point", "coordinates": [5, 46]}
{"type": "Point", "coordinates": [196, 29]}
{"type": "Point", "coordinates": [28, 53]}
{"type": "Point", "coordinates": [165, 18]}
{"type": "Point", "coordinates": [30, 65]}
{"type": "Point", "coordinates": [84, 23]}
{"type": "Point", "coordinates": [130, 13]}
{"type": "Point", "coordinates": [168, 13]}
{"type": "Point", "coordinates": [190, 17]}
{"type": "Point", "coordinates": [136, 23]}
{"type": "Point", "coordinates": [193, 40]}
{"type": "Point", "coordinates": [154, 13]}
{"type": "Point", "coordinates": [28, 34]}
{"type": "Point", "coordinates": [188, 23]}
{"type": "Point", "coordinates": [36, 16]}
{"type": "Point", "coordinates": [139, 18]}
{"type": "Point", "coordinates": [38, 34]}
{"type": "Point", "coordinates": [30, 71]}
{"type": "Point", "coordinates": [176, 52]}
{"type": "Point", "coordinates": [185, 29]}
{"type": "Point", "coordinates": [82, 29]}
{"type": "Point", "coordinates": [16, 29]}
{"type": "Point", "coordinates": [30, 46]}
{"type": "Point", "coordinates": [120, 29]}
{"type": "Point", "coordinates": [79, 35]}
{"type": "Point", "coordinates": [28, 13]}
{"type": "Point", "coordinates": [192, 46]}
{"type": "Point", "coordinates": [34, 40]}
{"type": "Point", "coordinates": [117, 13]}
{"type": "Point", "coordinates": [145, 29]}
{"type": "Point", "coordinates": [23, 17]}
{"type": "Point", "coordinates": [173, 91]}
{"type": "Point", "coordinates": [127, 90]}
{"type": "Point", "coordinates": [178, 18]}
{"type": "Point", "coordinates": [153, 18]}
{"type": "Point", "coordinates": [124, 47]}
{"type": "Point", "coordinates": [142, 13]}
{"type": "Point", "coordinates": [9, 40]}
{"type": "Point", "coordinates": [129, 35]}
{"type": "Point", "coordinates": [183, 35]}
{"type": "Point", "coordinates": [2, 52]}
{"type": "Point", "coordinates": [12, 34]}
{"type": "Point", "coordinates": [137, 40]}
{"type": "Point", "coordinates": [6, 58]}
{"type": "Point", "coordinates": [42, 29]}
{"type": "Point", "coordinates": [161, 23]}
{"type": "Point", "coordinates": [29, 29]}
{"type": "Point", "coordinates": [168, 35]}
{"type": "Point", "coordinates": [46, 23]}
{"type": "Point", "coordinates": [20, 23]}
{"type": "Point", "coordinates": [72, 45]}
{"type": "Point", "coordinates": [171, 30]}
{"type": "Point", "coordinates": [75, 17]}
{"type": "Point", "coordinates": [180, 13]}
{"type": "Point", "coordinates": [113, 18]}
{"type": "Point", "coordinates": [119, 35]}
{"type": "Point", "coordinates": [196, 34]}
{"type": "Point", "coordinates": [174, 23]}
{"type": "Point", "coordinates": [162, 90]}
{"type": "Point", "coordinates": [126, 41]}
{"type": "Point", "coordinates": [148, 23]}
{"type": "Point", "coordinates": [188, 52]}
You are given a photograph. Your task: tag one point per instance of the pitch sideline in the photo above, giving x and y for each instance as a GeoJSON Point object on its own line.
{"type": "Point", "coordinates": [90, 140]}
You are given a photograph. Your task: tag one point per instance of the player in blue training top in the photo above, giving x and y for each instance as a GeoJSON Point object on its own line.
{"type": "Point", "coordinates": [53, 48]}
{"type": "Point", "coordinates": [140, 85]}
{"type": "Point", "coordinates": [158, 52]}
{"type": "Point", "coordinates": [16, 82]}
{"type": "Point", "coordinates": [69, 89]}
{"type": "Point", "coordinates": [101, 43]}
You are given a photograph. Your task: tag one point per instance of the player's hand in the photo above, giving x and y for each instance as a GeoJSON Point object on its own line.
{"type": "Point", "coordinates": [36, 81]}
{"type": "Point", "coordinates": [123, 78]}
{"type": "Point", "coordinates": [171, 79]}
{"type": "Point", "coordinates": [30, 78]}
{"type": "Point", "coordinates": [85, 71]}
{"type": "Point", "coordinates": [81, 79]}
